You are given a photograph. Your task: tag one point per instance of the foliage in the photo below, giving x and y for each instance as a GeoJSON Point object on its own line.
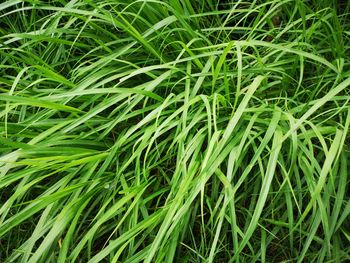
{"type": "Point", "coordinates": [174, 131]}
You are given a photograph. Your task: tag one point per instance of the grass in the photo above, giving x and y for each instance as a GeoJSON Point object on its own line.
{"type": "Point", "coordinates": [174, 131]}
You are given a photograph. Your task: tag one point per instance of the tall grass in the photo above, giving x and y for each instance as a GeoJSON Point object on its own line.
{"type": "Point", "coordinates": [174, 131]}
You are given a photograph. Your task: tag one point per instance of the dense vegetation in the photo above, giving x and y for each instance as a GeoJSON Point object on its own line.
{"type": "Point", "coordinates": [174, 131]}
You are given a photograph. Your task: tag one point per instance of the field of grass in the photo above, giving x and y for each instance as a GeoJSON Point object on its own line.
{"type": "Point", "coordinates": [174, 131]}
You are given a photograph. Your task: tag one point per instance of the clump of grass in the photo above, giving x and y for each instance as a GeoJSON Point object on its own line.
{"type": "Point", "coordinates": [174, 131]}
